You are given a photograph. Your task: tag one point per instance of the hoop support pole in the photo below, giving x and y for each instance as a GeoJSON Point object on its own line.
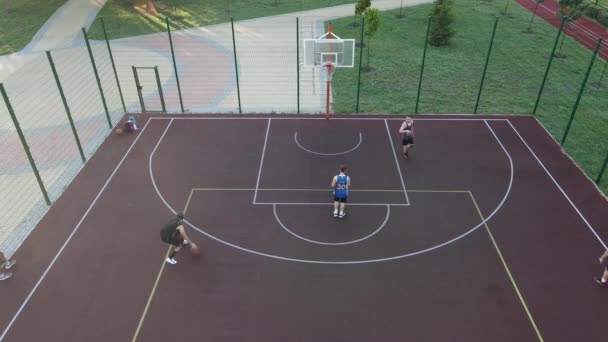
{"type": "Point", "coordinates": [327, 93]}
{"type": "Point", "coordinates": [328, 86]}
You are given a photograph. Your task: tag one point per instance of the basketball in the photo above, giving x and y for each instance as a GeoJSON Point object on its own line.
{"type": "Point", "coordinates": [120, 131]}
{"type": "Point", "coordinates": [195, 250]}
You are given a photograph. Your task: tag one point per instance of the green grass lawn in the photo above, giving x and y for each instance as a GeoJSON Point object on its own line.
{"type": "Point", "coordinates": [452, 74]}
{"type": "Point", "coordinates": [21, 19]}
{"type": "Point", "coordinates": [122, 18]}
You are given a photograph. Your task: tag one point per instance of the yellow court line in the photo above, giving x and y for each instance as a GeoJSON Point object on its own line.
{"type": "Point", "coordinates": [504, 263]}
{"type": "Point", "coordinates": [162, 268]}
{"type": "Point", "coordinates": [328, 189]}
{"type": "Point", "coordinates": [188, 201]}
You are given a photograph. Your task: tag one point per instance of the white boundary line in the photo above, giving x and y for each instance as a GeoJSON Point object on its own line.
{"type": "Point", "coordinates": [257, 183]}
{"type": "Point", "coordinates": [295, 137]}
{"type": "Point", "coordinates": [388, 214]}
{"type": "Point", "coordinates": [319, 118]}
{"type": "Point", "coordinates": [43, 276]}
{"type": "Point", "coordinates": [316, 190]}
{"type": "Point", "coordinates": [560, 188]}
{"type": "Point", "coordinates": [351, 262]}
{"type": "Point", "coordinates": [330, 203]}
{"type": "Point", "coordinates": [390, 141]}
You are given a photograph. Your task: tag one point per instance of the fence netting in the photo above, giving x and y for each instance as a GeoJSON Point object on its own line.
{"type": "Point", "coordinates": [244, 63]}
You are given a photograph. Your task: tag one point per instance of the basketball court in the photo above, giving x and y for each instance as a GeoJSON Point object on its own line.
{"type": "Point", "coordinates": [488, 232]}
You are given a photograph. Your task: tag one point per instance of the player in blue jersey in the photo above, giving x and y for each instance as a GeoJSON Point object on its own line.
{"type": "Point", "coordinates": [340, 185]}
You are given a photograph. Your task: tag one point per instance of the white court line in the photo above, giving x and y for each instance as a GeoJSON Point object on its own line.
{"type": "Point", "coordinates": [560, 188]}
{"type": "Point", "coordinates": [304, 190]}
{"type": "Point", "coordinates": [388, 213]}
{"type": "Point", "coordinates": [317, 190]}
{"type": "Point", "coordinates": [29, 296]}
{"type": "Point", "coordinates": [333, 118]}
{"type": "Point", "coordinates": [328, 154]}
{"type": "Point", "coordinates": [352, 262]}
{"type": "Point", "coordinates": [331, 203]}
{"type": "Point", "coordinates": [285, 258]}
{"type": "Point", "coordinates": [257, 184]}
{"type": "Point", "coordinates": [390, 141]}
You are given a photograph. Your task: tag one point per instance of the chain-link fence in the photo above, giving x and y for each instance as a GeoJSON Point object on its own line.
{"type": "Point", "coordinates": [60, 107]}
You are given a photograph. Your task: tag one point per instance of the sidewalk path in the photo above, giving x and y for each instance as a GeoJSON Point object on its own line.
{"type": "Point", "coordinates": [62, 29]}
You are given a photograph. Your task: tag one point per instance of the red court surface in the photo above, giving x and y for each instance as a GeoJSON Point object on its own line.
{"type": "Point", "coordinates": [487, 233]}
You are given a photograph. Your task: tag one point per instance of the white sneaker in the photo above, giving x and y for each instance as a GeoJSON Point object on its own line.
{"type": "Point", "coordinates": [4, 276]}
{"type": "Point", "coordinates": [8, 264]}
{"type": "Point", "coordinates": [335, 214]}
{"type": "Point", "coordinates": [171, 261]}
{"type": "Point", "coordinates": [342, 214]}
{"type": "Point", "coordinates": [185, 242]}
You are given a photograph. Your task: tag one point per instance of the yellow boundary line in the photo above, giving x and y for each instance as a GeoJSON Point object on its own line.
{"type": "Point", "coordinates": [504, 263]}
{"type": "Point", "coordinates": [160, 273]}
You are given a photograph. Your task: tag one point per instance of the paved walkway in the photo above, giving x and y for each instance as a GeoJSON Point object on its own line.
{"type": "Point", "coordinates": [62, 29]}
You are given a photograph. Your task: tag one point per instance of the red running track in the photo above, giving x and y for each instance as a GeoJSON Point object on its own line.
{"type": "Point", "coordinates": [583, 30]}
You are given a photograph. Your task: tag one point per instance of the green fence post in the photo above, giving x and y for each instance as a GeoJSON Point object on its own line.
{"type": "Point", "coordinates": [65, 105]}
{"type": "Point", "coordinates": [160, 89]}
{"type": "Point", "coordinates": [426, 43]}
{"type": "Point", "coordinates": [485, 68]}
{"type": "Point", "coordinates": [360, 61]}
{"type": "Point", "coordinates": [599, 83]}
{"type": "Point", "coordinates": [236, 66]}
{"type": "Point", "coordinates": [580, 92]}
{"type": "Point", "coordinates": [105, 34]}
{"type": "Point", "coordinates": [298, 59]}
{"type": "Point", "coordinates": [103, 98]}
{"type": "Point", "coordinates": [26, 148]}
{"type": "Point", "coordinates": [506, 7]}
{"type": "Point", "coordinates": [139, 87]}
{"type": "Point", "coordinates": [542, 85]}
{"type": "Point", "coordinates": [179, 89]}
{"type": "Point", "coordinates": [599, 176]}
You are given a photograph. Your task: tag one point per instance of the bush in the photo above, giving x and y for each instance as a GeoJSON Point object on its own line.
{"type": "Point", "coordinates": [441, 19]}
{"type": "Point", "coordinates": [598, 13]}
{"type": "Point", "coordinates": [593, 11]}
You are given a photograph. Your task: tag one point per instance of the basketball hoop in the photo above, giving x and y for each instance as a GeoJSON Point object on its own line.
{"type": "Point", "coordinates": [329, 69]}
{"type": "Point", "coordinates": [329, 52]}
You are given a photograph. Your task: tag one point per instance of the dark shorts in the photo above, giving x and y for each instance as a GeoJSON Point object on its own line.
{"type": "Point", "coordinates": [174, 240]}
{"type": "Point", "coordinates": [407, 140]}
{"type": "Point", "coordinates": [340, 199]}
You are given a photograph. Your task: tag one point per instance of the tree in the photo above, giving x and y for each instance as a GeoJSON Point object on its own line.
{"type": "Point", "coordinates": [372, 23]}
{"type": "Point", "coordinates": [150, 7]}
{"type": "Point", "coordinates": [571, 9]}
{"type": "Point", "coordinates": [360, 7]}
{"type": "Point", "coordinates": [538, 2]}
{"type": "Point", "coordinates": [441, 19]}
